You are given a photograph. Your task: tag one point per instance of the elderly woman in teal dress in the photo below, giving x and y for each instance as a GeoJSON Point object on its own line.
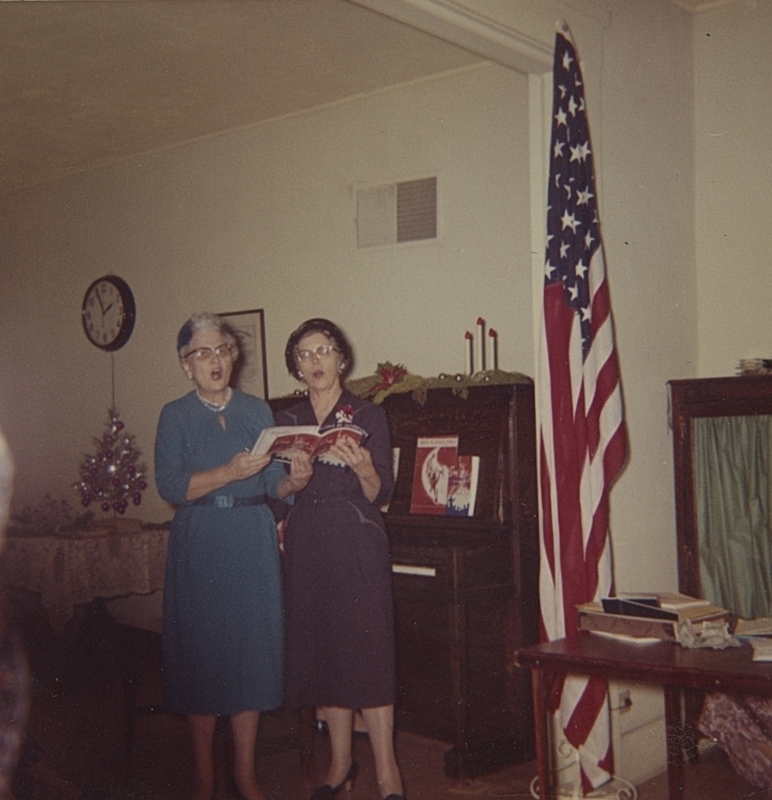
{"type": "Point", "coordinates": [222, 618]}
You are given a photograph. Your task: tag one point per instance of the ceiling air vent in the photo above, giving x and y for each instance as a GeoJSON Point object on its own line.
{"type": "Point", "coordinates": [397, 212]}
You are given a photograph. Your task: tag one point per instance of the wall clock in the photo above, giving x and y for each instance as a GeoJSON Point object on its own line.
{"type": "Point", "coordinates": [108, 312]}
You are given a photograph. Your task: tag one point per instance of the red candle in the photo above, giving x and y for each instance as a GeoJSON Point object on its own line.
{"type": "Point", "coordinates": [469, 353]}
{"type": "Point", "coordinates": [495, 338]}
{"type": "Point", "coordinates": [481, 323]}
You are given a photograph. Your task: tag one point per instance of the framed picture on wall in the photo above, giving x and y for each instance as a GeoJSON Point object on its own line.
{"type": "Point", "coordinates": [250, 373]}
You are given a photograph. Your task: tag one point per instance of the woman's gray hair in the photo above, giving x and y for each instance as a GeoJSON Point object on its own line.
{"type": "Point", "coordinates": [205, 321]}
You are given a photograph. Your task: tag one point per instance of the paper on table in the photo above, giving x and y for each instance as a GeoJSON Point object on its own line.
{"type": "Point", "coordinates": [754, 627]}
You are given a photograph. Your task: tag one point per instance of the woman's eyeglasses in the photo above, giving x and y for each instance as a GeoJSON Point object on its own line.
{"type": "Point", "coordinates": [320, 352]}
{"type": "Point", "coordinates": [222, 351]}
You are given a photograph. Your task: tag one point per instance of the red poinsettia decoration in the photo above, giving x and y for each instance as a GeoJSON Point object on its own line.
{"type": "Point", "coordinates": [389, 375]}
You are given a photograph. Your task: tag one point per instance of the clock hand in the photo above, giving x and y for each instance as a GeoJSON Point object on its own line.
{"type": "Point", "coordinates": [104, 311]}
{"type": "Point", "coordinates": [101, 304]}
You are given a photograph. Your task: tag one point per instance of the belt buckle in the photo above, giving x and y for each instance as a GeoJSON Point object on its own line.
{"type": "Point", "coordinates": [223, 501]}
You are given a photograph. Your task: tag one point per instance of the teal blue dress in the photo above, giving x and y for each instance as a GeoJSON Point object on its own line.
{"type": "Point", "coordinates": [222, 613]}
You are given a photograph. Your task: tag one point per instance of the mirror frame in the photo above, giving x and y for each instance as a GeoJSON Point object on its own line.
{"type": "Point", "coordinates": [742, 395]}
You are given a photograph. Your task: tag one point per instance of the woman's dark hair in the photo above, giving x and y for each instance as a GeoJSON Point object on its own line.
{"type": "Point", "coordinates": [329, 329]}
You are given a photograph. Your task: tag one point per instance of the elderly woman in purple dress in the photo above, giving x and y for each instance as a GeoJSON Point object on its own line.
{"type": "Point", "coordinates": [340, 628]}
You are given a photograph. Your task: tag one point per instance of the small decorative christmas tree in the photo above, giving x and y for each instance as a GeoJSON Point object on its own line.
{"type": "Point", "coordinates": [113, 475]}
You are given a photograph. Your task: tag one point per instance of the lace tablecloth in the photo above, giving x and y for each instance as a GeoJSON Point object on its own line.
{"type": "Point", "coordinates": [67, 571]}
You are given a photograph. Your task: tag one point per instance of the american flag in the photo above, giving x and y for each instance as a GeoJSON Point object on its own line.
{"type": "Point", "coordinates": [582, 443]}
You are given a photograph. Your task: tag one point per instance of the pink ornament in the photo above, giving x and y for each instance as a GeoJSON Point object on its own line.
{"type": "Point", "coordinates": [105, 506]}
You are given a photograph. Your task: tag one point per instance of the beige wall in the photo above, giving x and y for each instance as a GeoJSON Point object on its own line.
{"type": "Point", "coordinates": [647, 216]}
{"type": "Point", "coordinates": [265, 217]}
{"type": "Point", "coordinates": [733, 117]}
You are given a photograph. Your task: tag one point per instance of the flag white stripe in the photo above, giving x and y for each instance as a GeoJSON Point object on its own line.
{"type": "Point", "coordinates": [597, 271]}
{"type": "Point", "coordinates": [601, 350]}
{"type": "Point", "coordinates": [575, 364]}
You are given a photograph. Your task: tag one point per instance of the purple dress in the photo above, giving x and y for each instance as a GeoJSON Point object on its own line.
{"type": "Point", "coordinates": [337, 579]}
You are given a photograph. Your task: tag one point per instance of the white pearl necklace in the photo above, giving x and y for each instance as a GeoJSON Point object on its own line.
{"type": "Point", "coordinates": [218, 409]}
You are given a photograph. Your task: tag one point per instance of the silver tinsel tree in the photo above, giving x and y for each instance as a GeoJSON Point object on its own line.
{"type": "Point", "coordinates": [113, 476]}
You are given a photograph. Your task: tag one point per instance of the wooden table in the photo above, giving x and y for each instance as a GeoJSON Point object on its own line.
{"type": "Point", "coordinates": [669, 664]}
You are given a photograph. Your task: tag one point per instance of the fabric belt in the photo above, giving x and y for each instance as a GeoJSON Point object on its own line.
{"type": "Point", "coordinates": [228, 501]}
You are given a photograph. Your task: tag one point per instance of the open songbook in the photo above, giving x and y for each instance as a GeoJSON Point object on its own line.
{"type": "Point", "coordinates": [284, 442]}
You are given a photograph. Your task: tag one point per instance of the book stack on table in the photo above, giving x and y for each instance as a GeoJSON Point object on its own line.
{"type": "Point", "coordinates": [652, 616]}
{"type": "Point", "coordinates": [759, 633]}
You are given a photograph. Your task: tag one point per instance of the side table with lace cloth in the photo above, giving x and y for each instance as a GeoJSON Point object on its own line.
{"type": "Point", "coordinates": [74, 570]}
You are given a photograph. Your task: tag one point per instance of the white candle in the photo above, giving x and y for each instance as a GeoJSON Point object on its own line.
{"type": "Point", "coordinates": [495, 338]}
{"type": "Point", "coordinates": [469, 353]}
{"type": "Point", "coordinates": [481, 323]}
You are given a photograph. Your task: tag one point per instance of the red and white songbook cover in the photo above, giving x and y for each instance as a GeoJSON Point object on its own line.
{"type": "Point", "coordinates": [434, 458]}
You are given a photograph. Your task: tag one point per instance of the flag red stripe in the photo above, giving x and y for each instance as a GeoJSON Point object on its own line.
{"type": "Point", "coordinates": [586, 712]}
{"type": "Point", "coordinates": [615, 455]}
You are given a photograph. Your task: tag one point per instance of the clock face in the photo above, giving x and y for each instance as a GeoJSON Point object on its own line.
{"type": "Point", "coordinates": [108, 312]}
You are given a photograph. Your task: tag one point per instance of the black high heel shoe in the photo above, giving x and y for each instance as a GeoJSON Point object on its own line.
{"type": "Point", "coordinates": [327, 792]}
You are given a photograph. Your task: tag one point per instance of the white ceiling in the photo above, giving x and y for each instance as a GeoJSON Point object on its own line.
{"type": "Point", "coordinates": [85, 84]}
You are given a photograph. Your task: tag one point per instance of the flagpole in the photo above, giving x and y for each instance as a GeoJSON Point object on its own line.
{"type": "Point", "coordinates": [582, 445]}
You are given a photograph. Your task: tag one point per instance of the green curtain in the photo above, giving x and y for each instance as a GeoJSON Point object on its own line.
{"type": "Point", "coordinates": [733, 498]}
